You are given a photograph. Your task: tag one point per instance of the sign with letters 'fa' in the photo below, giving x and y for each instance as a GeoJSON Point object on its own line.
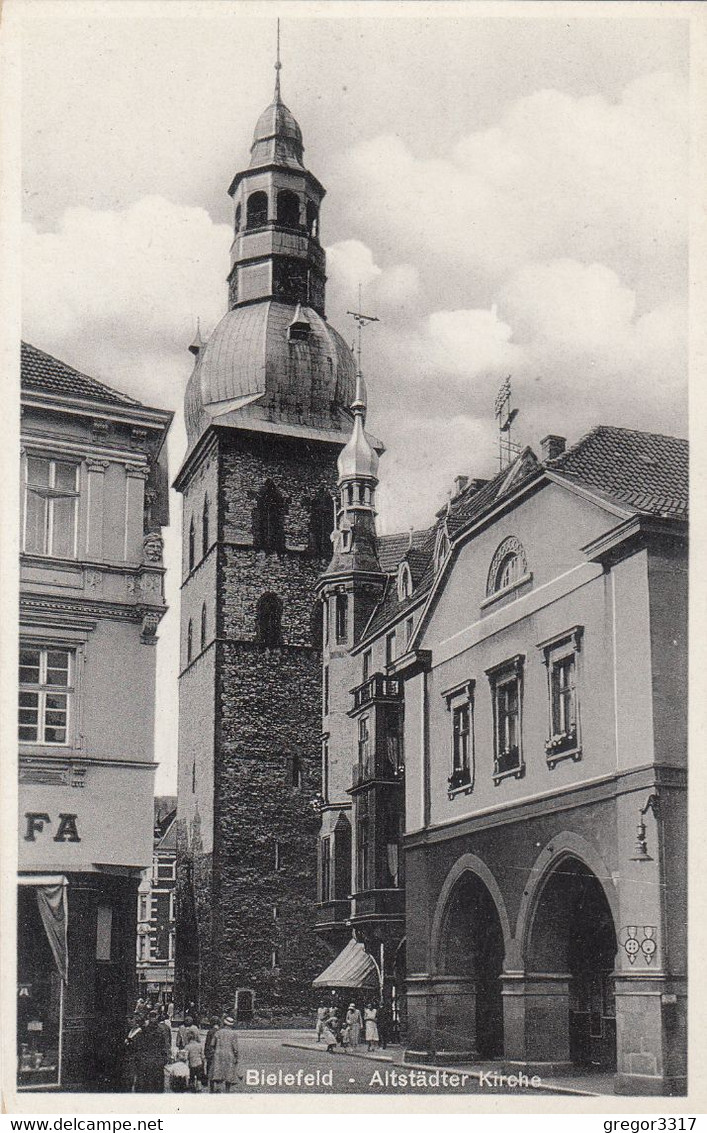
{"type": "Point", "coordinates": [36, 820]}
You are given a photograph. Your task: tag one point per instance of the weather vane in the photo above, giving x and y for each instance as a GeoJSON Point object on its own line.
{"type": "Point", "coordinates": [507, 447]}
{"type": "Point", "coordinates": [361, 321]}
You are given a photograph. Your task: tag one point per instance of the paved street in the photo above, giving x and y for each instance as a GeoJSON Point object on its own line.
{"type": "Point", "coordinates": [266, 1064]}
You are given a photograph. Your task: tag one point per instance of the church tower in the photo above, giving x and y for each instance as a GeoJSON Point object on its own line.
{"type": "Point", "coordinates": [267, 412]}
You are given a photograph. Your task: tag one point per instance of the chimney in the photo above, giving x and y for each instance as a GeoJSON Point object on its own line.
{"type": "Point", "coordinates": [460, 483]}
{"type": "Point", "coordinates": [552, 446]}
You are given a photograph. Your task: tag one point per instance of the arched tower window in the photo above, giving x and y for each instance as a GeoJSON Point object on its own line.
{"type": "Point", "coordinates": [191, 544]}
{"type": "Point", "coordinates": [203, 627]}
{"type": "Point", "coordinates": [269, 617]}
{"type": "Point", "coordinates": [312, 219]}
{"type": "Point", "coordinates": [257, 210]}
{"type": "Point", "coordinates": [508, 566]}
{"type": "Point", "coordinates": [269, 520]}
{"type": "Point", "coordinates": [190, 640]}
{"type": "Point", "coordinates": [205, 527]}
{"type": "Point", "coordinates": [404, 581]}
{"type": "Point", "coordinates": [288, 208]}
{"type": "Point", "coordinates": [321, 525]}
{"type": "Point", "coordinates": [238, 218]}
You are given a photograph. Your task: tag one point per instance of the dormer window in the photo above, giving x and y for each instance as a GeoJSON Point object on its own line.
{"type": "Point", "coordinates": [441, 548]}
{"type": "Point", "coordinates": [404, 581]}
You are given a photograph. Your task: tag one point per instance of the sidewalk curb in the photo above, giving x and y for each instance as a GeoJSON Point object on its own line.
{"type": "Point", "coordinates": [543, 1089]}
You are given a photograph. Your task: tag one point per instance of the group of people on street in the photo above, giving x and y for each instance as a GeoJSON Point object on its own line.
{"type": "Point", "coordinates": [349, 1031]}
{"type": "Point", "coordinates": [158, 1058]}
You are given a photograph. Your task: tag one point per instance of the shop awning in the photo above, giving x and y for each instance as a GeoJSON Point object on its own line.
{"type": "Point", "coordinates": [53, 908]}
{"type": "Point", "coordinates": [353, 967]}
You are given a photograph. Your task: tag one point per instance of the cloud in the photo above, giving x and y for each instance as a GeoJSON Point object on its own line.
{"type": "Point", "coordinates": [557, 175]}
{"type": "Point", "coordinates": [350, 264]}
{"type": "Point", "coordinates": [118, 293]}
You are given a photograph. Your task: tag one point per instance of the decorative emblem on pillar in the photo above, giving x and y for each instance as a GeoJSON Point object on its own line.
{"type": "Point", "coordinates": [639, 940]}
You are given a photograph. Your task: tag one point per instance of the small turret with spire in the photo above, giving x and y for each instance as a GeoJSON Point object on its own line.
{"type": "Point", "coordinates": [355, 547]}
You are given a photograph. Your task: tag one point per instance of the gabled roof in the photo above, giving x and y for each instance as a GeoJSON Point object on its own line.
{"type": "Point", "coordinates": [41, 372]}
{"type": "Point", "coordinates": [644, 472]}
{"type": "Point", "coordinates": [392, 548]}
{"type": "Point", "coordinates": [647, 471]}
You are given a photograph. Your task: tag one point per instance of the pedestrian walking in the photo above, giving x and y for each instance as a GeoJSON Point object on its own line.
{"type": "Point", "coordinates": [209, 1045]}
{"type": "Point", "coordinates": [166, 1032]}
{"type": "Point", "coordinates": [170, 1011]}
{"type": "Point", "coordinates": [129, 1065]}
{"type": "Point", "coordinates": [195, 1060]}
{"type": "Point", "coordinates": [150, 1057]}
{"type": "Point", "coordinates": [322, 1013]}
{"type": "Point", "coordinates": [370, 1022]}
{"type": "Point", "coordinates": [182, 1037]}
{"type": "Point", "coordinates": [224, 1064]}
{"type": "Point", "coordinates": [354, 1024]}
{"type": "Point", "coordinates": [330, 1031]}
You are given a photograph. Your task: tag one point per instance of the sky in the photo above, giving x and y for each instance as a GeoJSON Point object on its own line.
{"type": "Point", "coordinates": [510, 193]}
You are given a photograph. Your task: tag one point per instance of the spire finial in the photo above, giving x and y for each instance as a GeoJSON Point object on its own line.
{"type": "Point", "coordinates": [361, 320]}
{"type": "Point", "coordinates": [278, 65]}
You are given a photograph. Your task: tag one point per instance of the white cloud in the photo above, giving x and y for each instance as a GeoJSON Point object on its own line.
{"type": "Point", "coordinates": [118, 293]}
{"type": "Point", "coordinates": [558, 175]}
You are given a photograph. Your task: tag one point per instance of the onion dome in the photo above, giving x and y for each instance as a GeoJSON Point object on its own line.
{"type": "Point", "coordinates": [254, 372]}
{"type": "Point", "coordinates": [358, 459]}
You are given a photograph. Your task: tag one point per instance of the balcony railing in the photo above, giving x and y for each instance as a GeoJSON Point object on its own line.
{"type": "Point", "coordinates": [378, 688]}
{"type": "Point", "coordinates": [379, 902]}
{"type": "Point", "coordinates": [386, 766]}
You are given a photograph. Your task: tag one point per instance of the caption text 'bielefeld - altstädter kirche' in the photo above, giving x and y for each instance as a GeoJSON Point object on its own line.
{"type": "Point", "coordinates": [488, 715]}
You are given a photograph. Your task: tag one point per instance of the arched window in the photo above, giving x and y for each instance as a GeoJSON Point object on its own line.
{"type": "Point", "coordinates": [190, 640]}
{"type": "Point", "coordinates": [404, 581]}
{"type": "Point", "coordinates": [321, 525]}
{"type": "Point", "coordinates": [312, 219]}
{"type": "Point", "coordinates": [269, 520]}
{"type": "Point", "coordinates": [441, 547]}
{"type": "Point", "coordinates": [269, 618]}
{"type": "Point", "coordinates": [508, 566]}
{"type": "Point", "coordinates": [205, 527]}
{"type": "Point", "coordinates": [238, 218]}
{"type": "Point", "coordinates": [288, 208]}
{"type": "Point", "coordinates": [191, 544]}
{"type": "Point", "coordinates": [257, 210]}
{"type": "Point", "coordinates": [203, 627]}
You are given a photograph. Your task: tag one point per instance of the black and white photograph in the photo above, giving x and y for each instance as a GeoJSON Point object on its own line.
{"type": "Point", "coordinates": [347, 405]}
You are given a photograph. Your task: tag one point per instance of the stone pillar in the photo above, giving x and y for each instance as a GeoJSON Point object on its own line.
{"type": "Point", "coordinates": [441, 1018]}
{"type": "Point", "coordinates": [651, 1024]}
{"type": "Point", "coordinates": [135, 477]}
{"type": "Point", "coordinates": [536, 1019]}
{"type": "Point", "coordinates": [95, 508]}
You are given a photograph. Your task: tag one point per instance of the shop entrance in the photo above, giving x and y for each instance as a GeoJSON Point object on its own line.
{"type": "Point", "coordinates": [38, 997]}
{"type": "Point", "coordinates": [573, 931]}
{"type": "Point", "coordinates": [473, 949]}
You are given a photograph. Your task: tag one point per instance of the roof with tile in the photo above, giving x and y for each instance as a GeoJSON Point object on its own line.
{"type": "Point", "coordinates": [42, 372]}
{"type": "Point", "coordinates": [647, 471]}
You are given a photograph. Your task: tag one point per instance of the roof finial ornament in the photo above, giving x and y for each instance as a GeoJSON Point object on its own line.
{"type": "Point", "coordinates": [278, 66]}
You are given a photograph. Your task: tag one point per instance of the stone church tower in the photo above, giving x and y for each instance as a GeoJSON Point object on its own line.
{"type": "Point", "coordinates": [267, 415]}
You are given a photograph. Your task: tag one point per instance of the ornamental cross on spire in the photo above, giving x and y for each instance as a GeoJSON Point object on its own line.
{"type": "Point", "coordinates": [361, 321]}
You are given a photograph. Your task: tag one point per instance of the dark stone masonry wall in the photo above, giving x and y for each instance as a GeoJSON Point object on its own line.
{"type": "Point", "coordinates": [248, 910]}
